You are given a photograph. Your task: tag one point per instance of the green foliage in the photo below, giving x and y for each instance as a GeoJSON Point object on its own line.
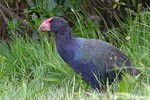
{"type": "Point", "coordinates": [32, 69]}
{"type": "Point", "coordinates": [103, 12]}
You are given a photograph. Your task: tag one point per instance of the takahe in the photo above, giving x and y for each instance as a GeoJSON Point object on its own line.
{"type": "Point", "coordinates": [95, 60]}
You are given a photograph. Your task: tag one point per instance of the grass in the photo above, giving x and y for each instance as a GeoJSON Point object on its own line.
{"type": "Point", "coordinates": [32, 69]}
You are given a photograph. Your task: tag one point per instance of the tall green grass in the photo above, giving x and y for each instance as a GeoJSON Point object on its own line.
{"type": "Point", "coordinates": [32, 68]}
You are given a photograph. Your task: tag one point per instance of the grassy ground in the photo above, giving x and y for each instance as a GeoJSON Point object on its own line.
{"type": "Point", "coordinates": [32, 69]}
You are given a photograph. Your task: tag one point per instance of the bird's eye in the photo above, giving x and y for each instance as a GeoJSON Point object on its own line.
{"type": "Point", "coordinates": [48, 20]}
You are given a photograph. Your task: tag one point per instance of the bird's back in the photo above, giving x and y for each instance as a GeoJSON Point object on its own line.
{"type": "Point", "coordinates": [98, 51]}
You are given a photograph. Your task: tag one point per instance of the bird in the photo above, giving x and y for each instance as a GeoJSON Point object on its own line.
{"type": "Point", "coordinates": [97, 61]}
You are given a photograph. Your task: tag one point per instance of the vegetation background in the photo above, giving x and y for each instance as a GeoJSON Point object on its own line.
{"type": "Point", "coordinates": [30, 67]}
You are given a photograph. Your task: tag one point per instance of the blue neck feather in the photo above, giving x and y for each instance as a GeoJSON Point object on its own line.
{"type": "Point", "coordinates": [63, 38]}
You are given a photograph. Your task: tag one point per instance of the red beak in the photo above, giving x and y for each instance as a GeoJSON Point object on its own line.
{"type": "Point", "coordinates": [45, 26]}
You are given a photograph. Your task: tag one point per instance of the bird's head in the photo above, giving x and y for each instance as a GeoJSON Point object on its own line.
{"type": "Point", "coordinates": [53, 24]}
